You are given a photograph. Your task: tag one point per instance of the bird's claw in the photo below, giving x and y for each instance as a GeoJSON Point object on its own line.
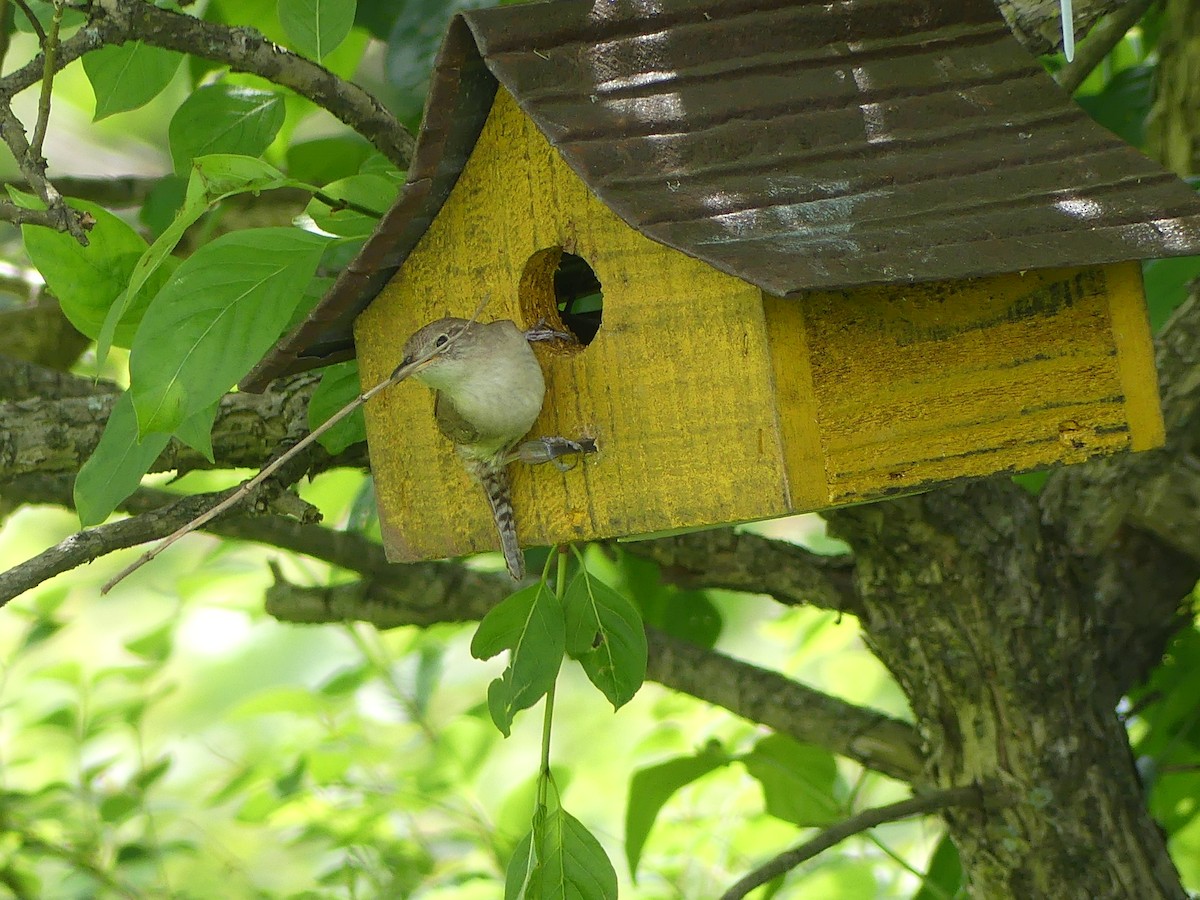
{"type": "Point", "coordinates": [543, 332]}
{"type": "Point", "coordinates": [551, 450]}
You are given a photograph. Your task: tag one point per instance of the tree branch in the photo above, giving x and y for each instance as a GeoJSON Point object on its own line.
{"type": "Point", "coordinates": [149, 525]}
{"type": "Point", "coordinates": [863, 821]}
{"type": "Point", "coordinates": [1100, 42]}
{"type": "Point", "coordinates": [424, 594]}
{"type": "Point", "coordinates": [242, 49]}
{"type": "Point", "coordinates": [55, 436]}
{"type": "Point", "coordinates": [723, 558]}
{"type": "Point", "coordinates": [1037, 23]}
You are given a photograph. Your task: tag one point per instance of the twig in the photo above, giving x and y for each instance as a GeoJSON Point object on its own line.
{"type": "Point", "coordinates": [96, 542]}
{"type": "Point", "coordinates": [406, 368]}
{"type": "Point", "coordinates": [1103, 38]}
{"type": "Point", "coordinates": [789, 859]}
{"type": "Point", "coordinates": [57, 214]}
{"type": "Point", "coordinates": [50, 53]}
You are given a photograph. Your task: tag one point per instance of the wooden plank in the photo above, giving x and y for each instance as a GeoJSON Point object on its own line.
{"type": "Point", "coordinates": [1135, 356]}
{"type": "Point", "coordinates": [922, 384]}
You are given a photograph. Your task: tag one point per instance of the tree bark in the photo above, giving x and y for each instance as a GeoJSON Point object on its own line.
{"type": "Point", "coordinates": [987, 624]}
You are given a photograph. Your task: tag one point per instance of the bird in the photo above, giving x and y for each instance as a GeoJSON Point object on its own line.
{"type": "Point", "coordinates": [488, 391]}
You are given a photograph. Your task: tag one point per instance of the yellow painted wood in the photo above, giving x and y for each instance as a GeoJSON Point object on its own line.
{"type": "Point", "coordinates": [796, 404]}
{"type": "Point", "coordinates": [676, 386]}
{"type": "Point", "coordinates": [921, 384]}
{"type": "Point", "coordinates": [1135, 356]}
{"type": "Point", "coordinates": [712, 403]}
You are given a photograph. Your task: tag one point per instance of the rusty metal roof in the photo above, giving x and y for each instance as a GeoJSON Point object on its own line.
{"type": "Point", "coordinates": [796, 144]}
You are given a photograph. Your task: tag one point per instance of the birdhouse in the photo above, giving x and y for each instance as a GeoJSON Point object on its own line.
{"type": "Point", "coordinates": [812, 254]}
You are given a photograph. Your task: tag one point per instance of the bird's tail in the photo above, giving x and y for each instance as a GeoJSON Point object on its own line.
{"type": "Point", "coordinates": [494, 478]}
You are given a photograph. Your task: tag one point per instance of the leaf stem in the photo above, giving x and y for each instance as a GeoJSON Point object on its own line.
{"type": "Point", "coordinates": [544, 774]}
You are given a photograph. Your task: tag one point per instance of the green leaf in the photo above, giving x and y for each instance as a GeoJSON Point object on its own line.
{"type": "Point", "coordinates": [315, 27]}
{"type": "Point", "coordinates": [1123, 104]}
{"type": "Point", "coordinates": [154, 645]}
{"type": "Point", "coordinates": [146, 778]}
{"type": "Point", "coordinates": [412, 44]}
{"type": "Point", "coordinates": [217, 316]}
{"type": "Point", "coordinates": [799, 781]}
{"type": "Point", "coordinates": [129, 75]}
{"type": "Point", "coordinates": [327, 159]}
{"type": "Point", "coordinates": [530, 625]}
{"type": "Point", "coordinates": [88, 280]}
{"type": "Point", "coordinates": [115, 808]}
{"type": "Point", "coordinates": [116, 466]}
{"type": "Point", "coordinates": [944, 875]}
{"type": "Point", "coordinates": [196, 431]}
{"type": "Point", "coordinates": [339, 386]}
{"type": "Point", "coordinates": [43, 11]}
{"type": "Point", "coordinates": [567, 864]}
{"type": "Point", "coordinates": [1167, 283]}
{"type": "Point", "coordinates": [605, 633]}
{"type": "Point", "coordinates": [373, 192]}
{"type": "Point", "coordinates": [652, 787]}
{"type": "Point", "coordinates": [222, 118]}
{"type": "Point", "coordinates": [346, 681]}
{"type": "Point", "coordinates": [212, 179]}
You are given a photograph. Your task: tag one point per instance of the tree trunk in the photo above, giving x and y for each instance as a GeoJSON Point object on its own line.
{"type": "Point", "coordinates": [992, 634]}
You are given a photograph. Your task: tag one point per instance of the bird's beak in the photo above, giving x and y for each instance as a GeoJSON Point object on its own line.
{"type": "Point", "coordinates": [409, 365]}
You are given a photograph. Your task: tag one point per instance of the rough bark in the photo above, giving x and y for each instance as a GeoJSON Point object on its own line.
{"type": "Point", "coordinates": [987, 624]}
{"type": "Point", "coordinates": [1173, 129]}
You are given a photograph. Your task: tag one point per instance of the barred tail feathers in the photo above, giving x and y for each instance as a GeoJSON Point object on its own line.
{"type": "Point", "coordinates": [494, 478]}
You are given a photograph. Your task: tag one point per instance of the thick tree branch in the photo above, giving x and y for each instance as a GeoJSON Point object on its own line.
{"type": "Point", "coordinates": [1037, 23]}
{"type": "Point", "coordinates": [428, 594]}
{"type": "Point", "coordinates": [723, 558]}
{"type": "Point", "coordinates": [47, 436]}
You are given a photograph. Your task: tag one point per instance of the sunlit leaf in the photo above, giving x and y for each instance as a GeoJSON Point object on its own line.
{"type": "Point", "coordinates": [652, 787]}
{"type": "Point", "coordinates": [315, 27]}
{"type": "Point", "coordinates": [605, 633]}
{"type": "Point", "coordinates": [799, 781]}
{"type": "Point", "coordinates": [223, 118]}
{"type": "Point", "coordinates": [212, 178]}
{"type": "Point", "coordinates": [127, 76]}
{"type": "Point", "coordinates": [568, 863]}
{"type": "Point", "coordinates": [88, 280]}
{"type": "Point", "coordinates": [362, 192]}
{"type": "Point", "coordinates": [220, 313]}
{"type": "Point", "coordinates": [530, 625]}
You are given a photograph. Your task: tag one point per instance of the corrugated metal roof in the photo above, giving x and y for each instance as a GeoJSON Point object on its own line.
{"type": "Point", "coordinates": [793, 143]}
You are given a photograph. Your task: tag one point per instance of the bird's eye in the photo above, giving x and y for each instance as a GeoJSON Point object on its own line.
{"type": "Point", "coordinates": [441, 340]}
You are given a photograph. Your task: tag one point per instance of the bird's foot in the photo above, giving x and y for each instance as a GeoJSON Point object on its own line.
{"type": "Point", "coordinates": [551, 450]}
{"type": "Point", "coordinates": [543, 332]}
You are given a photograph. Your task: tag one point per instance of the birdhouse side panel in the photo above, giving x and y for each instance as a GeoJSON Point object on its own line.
{"type": "Point", "coordinates": [675, 387]}
{"type": "Point", "coordinates": [924, 384]}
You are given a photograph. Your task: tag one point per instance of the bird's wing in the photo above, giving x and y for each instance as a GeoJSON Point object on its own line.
{"type": "Point", "coordinates": [451, 423]}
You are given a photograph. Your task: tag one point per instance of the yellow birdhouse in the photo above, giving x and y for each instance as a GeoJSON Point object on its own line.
{"type": "Point", "coordinates": [826, 255]}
